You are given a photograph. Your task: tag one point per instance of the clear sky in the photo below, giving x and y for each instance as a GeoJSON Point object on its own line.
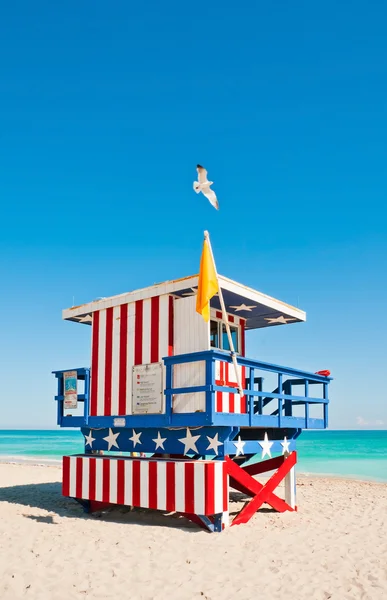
{"type": "Point", "coordinates": [105, 110]}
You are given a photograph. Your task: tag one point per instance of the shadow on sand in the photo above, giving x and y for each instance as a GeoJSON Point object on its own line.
{"type": "Point", "coordinates": [48, 497]}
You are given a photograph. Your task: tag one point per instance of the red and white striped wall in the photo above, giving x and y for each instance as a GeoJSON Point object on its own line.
{"type": "Point", "coordinates": [193, 487]}
{"type": "Point", "coordinates": [229, 402]}
{"type": "Point", "coordinates": [123, 336]}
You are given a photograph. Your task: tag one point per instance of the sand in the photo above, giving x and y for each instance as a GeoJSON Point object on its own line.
{"type": "Point", "coordinates": [335, 547]}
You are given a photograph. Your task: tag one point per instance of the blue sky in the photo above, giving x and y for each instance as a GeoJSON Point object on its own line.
{"type": "Point", "coordinates": [105, 110]}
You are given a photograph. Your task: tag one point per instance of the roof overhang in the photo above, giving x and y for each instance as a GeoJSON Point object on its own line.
{"type": "Point", "coordinates": [258, 309]}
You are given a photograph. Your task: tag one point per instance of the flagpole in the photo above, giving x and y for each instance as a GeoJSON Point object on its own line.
{"type": "Point", "coordinates": [225, 318]}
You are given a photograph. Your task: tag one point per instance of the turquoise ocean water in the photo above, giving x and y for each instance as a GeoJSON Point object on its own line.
{"type": "Point", "coordinates": [354, 454]}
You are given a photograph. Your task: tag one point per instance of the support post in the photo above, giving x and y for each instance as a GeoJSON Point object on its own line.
{"type": "Point", "coordinates": [290, 486]}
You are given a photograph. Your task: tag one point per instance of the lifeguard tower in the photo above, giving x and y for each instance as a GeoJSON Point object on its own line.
{"type": "Point", "coordinates": [162, 383]}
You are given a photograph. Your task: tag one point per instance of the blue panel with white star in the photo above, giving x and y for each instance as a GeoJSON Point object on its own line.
{"type": "Point", "coordinates": [185, 441]}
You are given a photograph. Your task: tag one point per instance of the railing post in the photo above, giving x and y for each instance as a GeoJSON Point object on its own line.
{"type": "Point", "coordinates": [325, 395]}
{"type": "Point", "coordinates": [210, 394]}
{"type": "Point", "coordinates": [60, 402]}
{"type": "Point", "coordinates": [306, 404]}
{"type": "Point", "coordinates": [86, 402]}
{"type": "Point", "coordinates": [279, 399]}
{"type": "Point", "coordinates": [288, 403]}
{"type": "Point", "coordinates": [168, 395]}
{"type": "Point", "coordinates": [250, 398]}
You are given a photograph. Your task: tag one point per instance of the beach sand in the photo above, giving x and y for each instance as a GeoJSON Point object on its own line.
{"type": "Point", "coordinates": [334, 547]}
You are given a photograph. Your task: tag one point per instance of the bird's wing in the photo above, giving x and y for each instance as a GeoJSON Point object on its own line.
{"type": "Point", "coordinates": [211, 196]}
{"type": "Point", "coordinates": [202, 174]}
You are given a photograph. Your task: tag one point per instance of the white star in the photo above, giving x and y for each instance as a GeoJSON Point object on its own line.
{"type": "Point", "coordinates": [112, 439]}
{"type": "Point", "coordinates": [135, 438]}
{"type": "Point", "coordinates": [159, 441]}
{"type": "Point", "coordinates": [191, 293]}
{"type": "Point", "coordinates": [285, 446]}
{"type": "Point", "coordinates": [89, 439]}
{"type": "Point", "coordinates": [214, 443]}
{"type": "Point", "coordinates": [189, 442]}
{"type": "Point", "coordinates": [243, 307]}
{"type": "Point", "coordinates": [280, 319]}
{"type": "Point", "coordinates": [239, 446]}
{"type": "Point", "coordinates": [86, 319]}
{"type": "Point", "coordinates": [266, 445]}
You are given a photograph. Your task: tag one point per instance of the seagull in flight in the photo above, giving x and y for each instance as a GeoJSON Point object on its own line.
{"type": "Point", "coordinates": [203, 185]}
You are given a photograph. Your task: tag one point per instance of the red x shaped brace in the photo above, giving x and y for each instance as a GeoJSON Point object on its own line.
{"type": "Point", "coordinates": [242, 480]}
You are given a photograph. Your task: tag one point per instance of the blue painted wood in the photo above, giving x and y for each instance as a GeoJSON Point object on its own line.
{"type": "Point", "coordinates": [254, 448]}
{"type": "Point", "coordinates": [174, 440]}
{"type": "Point", "coordinates": [219, 355]}
{"type": "Point", "coordinates": [210, 393]}
{"type": "Point", "coordinates": [282, 397]}
{"type": "Point", "coordinates": [147, 440]}
{"type": "Point", "coordinates": [83, 374]}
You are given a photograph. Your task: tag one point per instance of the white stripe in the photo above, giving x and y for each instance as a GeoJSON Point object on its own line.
{"type": "Point", "coordinates": [85, 478]}
{"type": "Point", "coordinates": [128, 496]}
{"type": "Point", "coordinates": [218, 487]}
{"type": "Point", "coordinates": [73, 476]}
{"type": "Point", "coordinates": [101, 362]}
{"type": "Point", "coordinates": [144, 483]}
{"type": "Point", "coordinates": [116, 358]}
{"type": "Point", "coordinates": [98, 479]}
{"type": "Point", "coordinates": [113, 482]}
{"type": "Point", "coordinates": [161, 485]}
{"type": "Point", "coordinates": [290, 488]}
{"type": "Point", "coordinates": [237, 403]}
{"type": "Point", "coordinates": [163, 326]}
{"type": "Point", "coordinates": [130, 356]}
{"type": "Point", "coordinates": [179, 486]}
{"type": "Point", "coordinates": [146, 331]}
{"type": "Point", "coordinates": [225, 402]}
{"type": "Point", "coordinates": [199, 484]}
{"type": "Point", "coordinates": [217, 370]}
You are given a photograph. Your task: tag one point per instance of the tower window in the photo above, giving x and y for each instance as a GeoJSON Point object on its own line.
{"type": "Point", "coordinates": [219, 337]}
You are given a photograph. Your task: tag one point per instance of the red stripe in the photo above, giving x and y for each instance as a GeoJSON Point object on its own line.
{"type": "Point", "coordinates": [123, 359]}
{"type": "Point", "coordinates": [219, 402]}
{"type": "Point", "coordinates": [108, 363]}
{"type": "Point", "coordinates": [136, 483]}
{"type": "Point", "coordinates": [138, 333]}
{"type": "Point", "coordinates": [170, 486]}
{"type": "Point", "coordinates": [66, 476]}
{"type": "Point", "coordinates": [92, 476]}
{"type": "Point", "coordinates": [219, 315]}
{"type": "Point", "coordinates": [242, 323]}
{"type": "Point", "coordinates": [94, 365]}
{"type": "Point", "coordinates": [170, 327]}
{"type": "Point", "coordinates": [225, 487]}
{"type": "Point", "coordinates": [189, 487]}
{"type": "Point", "coordinates": [120, 482]}
{"type": "Point", "coordinates": [106, 480]}
{"type": "Point", "coordinates": [155, 317]}
{"type": "Point", "coordinates": [209, 476]}
{"type": "Point", "coordinates": [152, 484]}
{"type": "Point", "coordinates": [78, 478]}
{"type": "Point", "coordinates": [231, 402]}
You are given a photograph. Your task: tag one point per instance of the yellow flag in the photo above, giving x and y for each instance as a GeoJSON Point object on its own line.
{"type": "Point", "coordinates": [208, 283]}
